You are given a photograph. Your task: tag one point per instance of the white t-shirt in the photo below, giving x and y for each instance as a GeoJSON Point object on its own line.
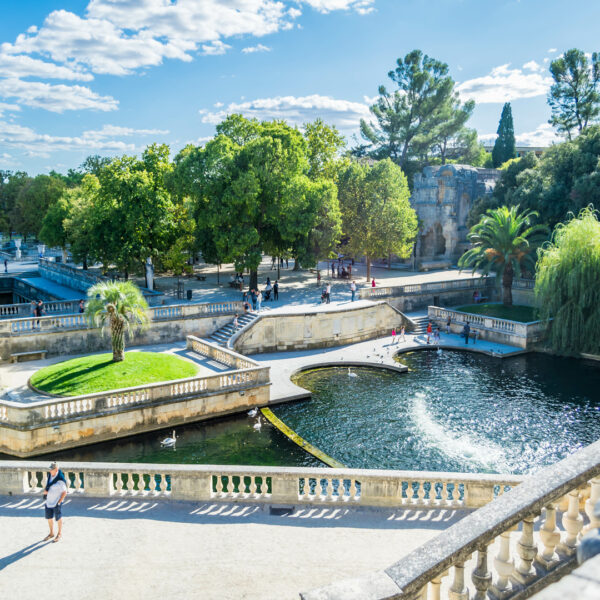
{"type": "Point", "coordinates": [54, 493]}
{"type": "Point", "coordinates": [353, 286]}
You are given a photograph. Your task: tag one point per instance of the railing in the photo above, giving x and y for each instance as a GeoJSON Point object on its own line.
{"type": "Point", "coordinates": [429, 288]}
{"type": "Point", "coordinates": [408, 489]}
{"type": "Point", "coordinates": [60, 409]}
{"type": "Point", "coordinates": [524, 560]}
{"type": "Point", "coordinates": [80, 321]}
{"type": "Point", "coordinates": [523, 284]}
{"type": "Point", "coordinates": [220, 354]}
{"type": "Point", "coordinates": [23, 309]}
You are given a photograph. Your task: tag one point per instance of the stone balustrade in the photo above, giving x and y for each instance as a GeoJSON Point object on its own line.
{"type": "Point", "coordinates": [277, 485]}
{"type": "Point", "coordinates": [532, 533]}
{"type": "Point", "coordinates": [58, 322]}
{"type": "Point", "coordinates": [51, 308]}
{"type": "Point", "coordinates": [433, 287]}
{"type": "Point", "coordinates": [504, 331]}
{"type": "Point", "coordinates": [223, 355]}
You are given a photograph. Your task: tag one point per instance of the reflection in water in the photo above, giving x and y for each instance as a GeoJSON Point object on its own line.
{"type": "Point", "coordinates": [453, 411]}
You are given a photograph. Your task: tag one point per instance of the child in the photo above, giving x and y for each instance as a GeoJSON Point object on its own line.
{"type": "Point", "coordinates": [402, 331]}
{"type": "Point", "coordinates": [429, 331]}
{"type": "Point", "coordinates": [393, 335]}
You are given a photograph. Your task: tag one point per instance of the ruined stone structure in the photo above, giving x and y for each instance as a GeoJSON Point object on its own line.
{"type": "Point", "coordinates": [442, 197]}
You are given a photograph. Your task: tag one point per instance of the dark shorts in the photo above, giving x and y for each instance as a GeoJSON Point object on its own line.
{"type": "Point", "coordinates": [55, 512]}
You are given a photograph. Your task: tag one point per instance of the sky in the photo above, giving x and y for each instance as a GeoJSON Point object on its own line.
{"type": "Point", "coordinates": [110, 77]}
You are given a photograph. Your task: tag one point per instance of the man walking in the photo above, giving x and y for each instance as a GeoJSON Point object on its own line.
{"type": "Point", "coordinates": [353, 289]}
{"type": "Point", "coordinates": [328, 293]}
{"type": "Point", "coordinates": [275, 291]}
{"type": "Point", "coordinates": [54, 494]}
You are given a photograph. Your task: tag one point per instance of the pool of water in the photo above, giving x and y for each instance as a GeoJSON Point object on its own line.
{"type": "Point", "coordinates": [454, 411]}
{"type": "Point", "coordinates": [228, 441]}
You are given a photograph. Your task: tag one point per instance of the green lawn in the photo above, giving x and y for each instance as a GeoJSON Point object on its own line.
{"type": "Point", "coordinates": [98, 373]}
{"type": "Point", "coordinates": [523, 314]}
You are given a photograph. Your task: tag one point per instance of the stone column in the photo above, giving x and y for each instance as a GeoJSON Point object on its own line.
{"type": "Point", "coordinates": [13, 481]}
{"type": "Point", "coordinates": [97, 483]}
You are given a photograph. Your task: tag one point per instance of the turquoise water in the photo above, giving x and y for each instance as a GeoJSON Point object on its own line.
{"type": "Point", "coordinates": [454, 411]}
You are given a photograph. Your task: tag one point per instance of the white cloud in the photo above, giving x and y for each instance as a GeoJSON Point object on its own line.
{"type": "Point", "coordinates": [215, 48]}
{"type": "Point", "coordinates": [362, 7]}
{"type": "Point", "coordinates": [533, 66]}
{"type": "Point", "coordinates": [294, 13]}
{"type": "Point", "coordinates": [257, 48]}
{"type": "Point", "coordinates": [25, 66]}
{"type": "Point", "coordinates": [7, 107]}
{"type": "Point", "coordinates": [551, 50]}
{"type": "Point", "coordinates": [543, 135]}
{"type": "Point", "coordinates": [55, 98]}
{"type": "Point", "coordinates": [504, 84]}
{"type": "Point", "coordinates": [111, 131]}
{"type": "Point", "coordinates": [342, 113]}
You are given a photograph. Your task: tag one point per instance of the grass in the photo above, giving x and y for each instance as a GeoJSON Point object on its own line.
{"type": "Point", "coordinates": [522, 314]}
{"type": "Point", "coordinates": [97, 373]}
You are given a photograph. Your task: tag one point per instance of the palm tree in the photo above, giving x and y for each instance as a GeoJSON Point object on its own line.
{"type": "Point", "coordinates": [505, 242]}
{"type": "Point", "coordinates": [118, 306]}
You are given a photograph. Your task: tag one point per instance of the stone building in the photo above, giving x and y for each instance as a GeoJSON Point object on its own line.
{"type": "Point", "coordinates": [442, 197]}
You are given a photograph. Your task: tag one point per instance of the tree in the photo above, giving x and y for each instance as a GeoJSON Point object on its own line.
{"type": "Point", "coordinates": [423, 112]}
{"type": "Point", "coordinates": [11, 185]}
{"type": "Point", "coordinates": [504, 146]}
{"type": "Point", "coordinates": [505, 242]}
{"type": "Point", "coordinates": [53, 232]}
{"type": "Point", "coordinates": [376, 212]}
{"type": "Point", "coordinates": [119, 307]}
{"type": "Point", "coordinates": [575, 95]}
{"type": "Point", "coordinates": [567, 286]}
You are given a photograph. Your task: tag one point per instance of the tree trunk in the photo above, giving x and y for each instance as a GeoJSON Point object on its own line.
{"type": "Point", "coordinates": [253, 279]}
{"type": "Point", "coordinates": [507, 281]}
{"type": "Point", "coordinates": [390, 262]}
{"type": "Point", "coordinates": [296, 265]}
{"type": "Point", "coordinates": [278, 265]}
{"type": "Point", "coordinates": [117, 336]}
{"type": "Point", "coordinates": [85, 264]}
{"type": "Point", "coordinates": [368, 268]}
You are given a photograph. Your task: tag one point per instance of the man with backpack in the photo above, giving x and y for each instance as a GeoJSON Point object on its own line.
{"type": "Point", "coordinates": [54, 495]}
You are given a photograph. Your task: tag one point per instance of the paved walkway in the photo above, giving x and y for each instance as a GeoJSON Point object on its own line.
{"type": "Point", "coordinates": [124, 548]}
{"type": "Point", "coordinates": [14, 376]}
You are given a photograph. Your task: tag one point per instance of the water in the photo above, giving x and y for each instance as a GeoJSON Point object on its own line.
{"type": "Point", "coordinates": [454, 411]}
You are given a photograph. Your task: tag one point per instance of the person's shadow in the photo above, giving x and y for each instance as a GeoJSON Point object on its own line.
{"type": "Point", "coordinates": [19, 554]}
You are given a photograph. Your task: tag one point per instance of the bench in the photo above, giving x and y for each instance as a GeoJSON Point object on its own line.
{"type": "Point", "coordinates": [23, 356]}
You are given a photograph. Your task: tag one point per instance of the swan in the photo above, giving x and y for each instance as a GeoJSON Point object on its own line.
{"type": "Point", "coordinates": [170, 441]}
{"type": "Point", "coordinates": [252, 413]}
{"type": "Point", "coordinates": [439, 351]}
{"type": "Point", "coordinates": [350, 373]}
{"type": "Point", "coordinates": [257, 425]}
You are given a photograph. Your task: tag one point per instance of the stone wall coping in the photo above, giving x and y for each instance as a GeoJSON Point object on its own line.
{"type": "Point", "coordinates": [481, 316]}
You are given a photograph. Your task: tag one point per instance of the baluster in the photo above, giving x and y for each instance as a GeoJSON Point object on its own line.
{"type": "Point", "coordinates": [421, 492]}
{"type": "Point", "coordinates": [550, 536]}
{"type": "Point", "coordinates": [252, 485]}
{"type": "Point", "coordinates": [219, 485]}
{"type": "Point", "coordinates": [572, 521]}
{"type": "Point", "coordinates": [152, 484]}
{"type": "Point", "coordinates": [230, 486]}
{"type": "Point", "coordinates": [458, 591]}
{"type": "Point", "coordinates": [504, 567]}
{"type": "Point", "coordinates": [481, 577]}
{"type": "Point", "coordinates": [129, 485]}
{"type": "Point", "coordinates": [119, 483]}
{"type": "Point", "coordinates": [341, 490]}
{"type": "Point", "coordinates": [590, 503]}
{"type": "Point", "coordinates": [77, 482]}
{"type": "Point", "coordinates": [263, 487]}
{"type": "Point", "coordinates": [527, 551]}
{"type": "Point", "coordinates": [436, 585]}
{"type": "Point", "coordinates": [444, 494]}
{"type": "Point", "coordinates": [33, 481]}
{"type": "Point", "coordinates": [141, 484]}
{"type": "Point", "coordinates": [451, 491]}
{"type": "Point", "coordinates": [329, 484]}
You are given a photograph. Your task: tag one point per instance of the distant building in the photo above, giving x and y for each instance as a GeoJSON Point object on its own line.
{"type": "Point", "coordinates": [522, 150]}
{"type": "Point", "coordinates": [442, 197]}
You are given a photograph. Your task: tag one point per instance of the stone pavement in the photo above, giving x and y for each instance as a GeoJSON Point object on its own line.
{"type": "Point", "coordinates": [14, 376]}
{"type": "Point", "coordinates": [123, 548]}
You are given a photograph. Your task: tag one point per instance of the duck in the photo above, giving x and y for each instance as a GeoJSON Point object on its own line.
{"type": "Point", "coordinates": [252, 413]}
{"type": "Point", "coordinates": [170, 441]}
{"type": "Point", "coordinates": [350, 373]}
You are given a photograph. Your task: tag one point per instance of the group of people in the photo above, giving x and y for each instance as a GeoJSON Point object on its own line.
{"type": "Point", "coordinates": [401, 335]}
{"type": "Point", "coordinates": [434, 332]}
{"type": "Point", "coordinates": [255, 297]}
{"type": "Point", "coordinates": [237, 281]}
{"type": "Point", "coordinates": [342, 272]}
{"type": "Point", "coordinates": [274, 260]}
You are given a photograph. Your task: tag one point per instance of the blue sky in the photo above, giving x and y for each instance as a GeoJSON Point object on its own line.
{"type": "Point", "coordinates": [111, 76]}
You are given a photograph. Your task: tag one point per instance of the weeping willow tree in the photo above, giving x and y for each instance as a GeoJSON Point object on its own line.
{"type": "Point", "coordinates": [567, 284]}
{"type": "Point", "coordinates": [119, 307]}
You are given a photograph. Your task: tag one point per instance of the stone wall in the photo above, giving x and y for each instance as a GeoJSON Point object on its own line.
{"type": "Point", "coordinates": [318, 328]}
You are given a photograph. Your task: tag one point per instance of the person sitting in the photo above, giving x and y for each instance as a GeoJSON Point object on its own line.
{"type": "Point", "coordinates": [268, 289]}
{"type": "Point", "coordinates": [476, 297]}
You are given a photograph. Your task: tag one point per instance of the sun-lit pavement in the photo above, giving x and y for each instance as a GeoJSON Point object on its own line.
{"type": "Point", "coordinates": [147, 550]}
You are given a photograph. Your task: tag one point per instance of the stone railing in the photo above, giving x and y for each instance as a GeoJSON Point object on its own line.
{"type": "Point", "coordinates": [520, 529]}
{"type": "Point", "coordinates": [222, 355]}
{"type": "Point", "coordinates": [79, 321]}
{"type": "Point", "coordinates": [433, 287]}
{"type": "Point", "coordinates": [523, 284]}
{"type": "Point", "coordinates": [492, 329]}
{"type": "Point", "coordinates": [63, 307]}
{"type": "Point", "coordinates": [277, 485]}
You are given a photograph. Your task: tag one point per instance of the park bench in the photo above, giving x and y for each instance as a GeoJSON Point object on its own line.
{"type": "Point", "coordinates": [23, 356]}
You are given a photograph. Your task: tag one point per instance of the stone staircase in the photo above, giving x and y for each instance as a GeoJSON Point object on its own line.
{"type": "Point", "coordinates": [222, 336]}
{"type": "Point", "coordinates": [421, 325]}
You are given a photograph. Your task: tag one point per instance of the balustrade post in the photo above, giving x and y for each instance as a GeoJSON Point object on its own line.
{"type": "Point", "coordinates": [98, 483]}
{"type": "Point", "coordinates": [193, 486]}
{"type": "Point", "coordinates": [458, 591]}
{"type": "Point", "coordinates": [590, 503]}
{"type": "Point", "coordinates": [524, 572]}
{"type": "Point", "coordinates": [481, 577]}
{"type": "Point", "coordinates": [13, 481]}
{"type": "Point", "coordinates": [503, 563]}
{"type": "Point", "coordinates": [436, 586]}
{"type": "Point", "coordinates": [550, 536]}
{"type": "Point", "coordinates": [284, 488]}
{"type": "Point", "coordinates": [572, 521]}
{"type": "Point", "coordinates": [478, 494]}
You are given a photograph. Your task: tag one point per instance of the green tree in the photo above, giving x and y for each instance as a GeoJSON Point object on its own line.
{"type": "Point", "coordinates": [10, 187]}
{"type": "Point", "coordinates": [575, 95]}
{"type": "Point", "coordinates": [504, 146]}
{"type": "Point", "coordinates": [376, 212]}
{"type": "Point", "coordinates": [53, 232]}
{"type": "Point", "coordinates": [118, 307]}
{"type": "Point", "coordinates": [422, 112]}
{"type": "Point", "coordinates": [567, 285]}
{"type": "Point", "coordinates": [505, 242]}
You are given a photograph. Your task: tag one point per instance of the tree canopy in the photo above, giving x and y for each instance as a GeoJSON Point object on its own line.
{"type": "Point", "coordinates": [504, 146]}
{"type": "Point", "coordinates": [567, 285]}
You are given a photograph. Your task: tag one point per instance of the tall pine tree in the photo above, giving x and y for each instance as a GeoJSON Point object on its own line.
{"type": "Point", "coordinates": [504, 147]}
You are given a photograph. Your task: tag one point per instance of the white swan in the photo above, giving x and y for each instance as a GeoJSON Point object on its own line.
{"type": "Point", "coordinates": [252, 413]}
{"type": "Point", "coordinates": [170, 441]}
{"type": "Point", "coordinates": [257, 425]}
{"type": "Point", "coordinates": [350, 373]}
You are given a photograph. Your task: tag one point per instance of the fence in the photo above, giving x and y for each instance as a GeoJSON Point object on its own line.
{"type": "Point", "coordinates": [434, 287]}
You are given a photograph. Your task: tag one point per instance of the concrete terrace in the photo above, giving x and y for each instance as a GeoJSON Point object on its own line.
{"type": "Point", "coordinates": [123, 548]}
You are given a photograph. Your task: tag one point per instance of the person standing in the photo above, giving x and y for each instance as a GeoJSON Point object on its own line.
{"type": "Point", "coordinates": [328, 293]}
{"type": "Point", "coordinates": [448, 323]}
{"type": "Point", "coordinates": [393, 335]}
{"type": "Point", "coordinates": [353, 290]}
{"type": "Point", "coordinates": [81, 306]}
{"type": "Point", "coordinates": [253, 298]}
{"type": "Point", "coordinates": [429, 330]}
{"type": "Point", "coordinates": [236, 323]}
{"type": "Point", "coordinates": [402, 332]}
{"type": "Point", "coordinates": [466, 332]}
{"type": "Point", "coordinates": [54, 495]}
{"type": "Point", "coordinates": [258, 299]}
{"type": "Point", "coordinates": [5, 266]}
{"type": "Point", "coordinates": [373, 282]}
{"type": "Point", "coordinates": [275, 291]}
{"type": "Point", "coordinates": [332, 269]}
